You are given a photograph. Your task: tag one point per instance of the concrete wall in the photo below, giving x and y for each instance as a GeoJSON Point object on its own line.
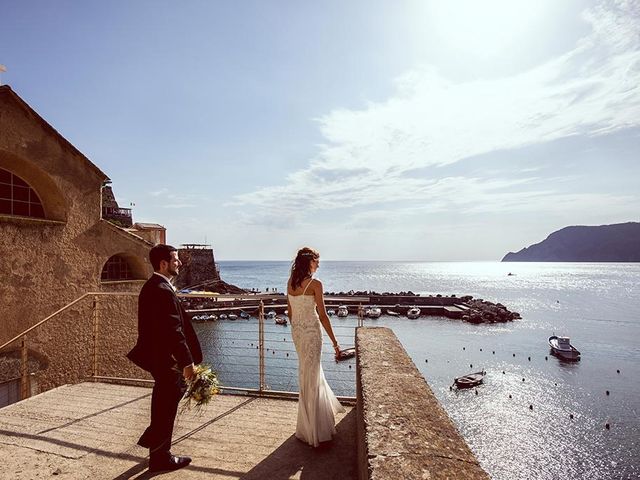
{"type": "Point", "coordinates": [47, 263]}
{"type": "Point", "coordinates": [403, 432]}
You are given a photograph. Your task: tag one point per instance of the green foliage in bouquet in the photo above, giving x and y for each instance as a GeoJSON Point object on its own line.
{"type": "Point", "coordinates": [201, 388]}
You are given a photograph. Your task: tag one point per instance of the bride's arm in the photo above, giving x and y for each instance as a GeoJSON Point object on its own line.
{"type": "Point", "coordinates": [318, 292]}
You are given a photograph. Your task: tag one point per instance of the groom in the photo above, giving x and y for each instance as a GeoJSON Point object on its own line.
{"type": "Point", "coordinates": [167, 348]}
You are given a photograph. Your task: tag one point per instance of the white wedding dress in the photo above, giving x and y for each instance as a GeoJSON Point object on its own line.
{"type": "Point", "coordinates": [317, 405]}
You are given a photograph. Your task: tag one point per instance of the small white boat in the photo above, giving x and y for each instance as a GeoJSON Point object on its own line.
{"type": "Point", "coordinates": [561, 347]}
{"type": "Point", "coordinates": [233, 316]}
{"type": "Point", "coordinates": [343, 311]}
{"type": "Point", "coordinates": [223, 316]}
{"type": "Point", "coordinates": [271, 314]}
{"type": "Point", "coordinates": [393, 313]}
{"type": "Point", "coordinates": [280, 321]}
{"type": "Point", "coordinates": [331, 312]}
{"type": "Point", "coordinates": [413, 313]}
{"type": "Point", "coordinates": [244, 314]}
{"type": "Point", "coordinates": [373, 312]}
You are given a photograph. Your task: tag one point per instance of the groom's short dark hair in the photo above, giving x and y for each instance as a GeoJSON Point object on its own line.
{"type": "Point", "coordinates": [160, 252]}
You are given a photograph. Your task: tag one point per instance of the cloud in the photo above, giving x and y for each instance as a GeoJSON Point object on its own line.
{"type": "Point", "coordinates": [369, 154]}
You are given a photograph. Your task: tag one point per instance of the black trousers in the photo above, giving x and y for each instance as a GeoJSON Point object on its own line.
{"type": "Point", "coordinates": [168, 390]}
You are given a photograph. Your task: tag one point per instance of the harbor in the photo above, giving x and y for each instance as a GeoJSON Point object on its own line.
{"type": "Point", "coordinates": [465, 307]}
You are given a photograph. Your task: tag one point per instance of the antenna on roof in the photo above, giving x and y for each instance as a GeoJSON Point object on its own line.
{"type": "Point", "coordinates": [2, 69]}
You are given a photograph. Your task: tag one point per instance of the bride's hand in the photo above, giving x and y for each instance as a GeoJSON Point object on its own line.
{"type": "Point", "coordinates": [336, 348]}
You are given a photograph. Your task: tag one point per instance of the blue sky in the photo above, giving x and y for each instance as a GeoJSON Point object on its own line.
{"type": "Point", "coordinates": [408, 130]}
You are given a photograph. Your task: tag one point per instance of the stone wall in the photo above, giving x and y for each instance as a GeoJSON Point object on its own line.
{"type": "Point", "coordinates": [403, 432]}
{"type": "Point", "coordinates": [47, 263]}
{"type": "Point", "coordinates": [198, 266]}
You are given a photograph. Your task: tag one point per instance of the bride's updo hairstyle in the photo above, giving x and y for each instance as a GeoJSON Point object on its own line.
{"type": "Point", "coordinates": [301, 267]}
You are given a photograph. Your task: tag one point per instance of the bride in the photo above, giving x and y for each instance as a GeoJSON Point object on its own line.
{"type": "Point", "coordinates": [317, 404]}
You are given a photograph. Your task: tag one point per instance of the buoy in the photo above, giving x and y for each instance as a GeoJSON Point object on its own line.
{"type": "Point", "coordinates": [426, 361]}
{"type": "Point", "coordinates": [530, 407]}
{"type": "Point", "coordinates": [514, 354]}
{"type": "Point", "coordinates": [546, 358]}
{"type": "Point", "coordinates": [607, 426]}
{"type": "Point", "coordinates": [571, 416]}
{"type": "Point", "coordinates": [471, 365]}
{"type": "Point", "coordinates": [450, 388]}
{"type": "Point", "coordinates": [274, 352]}
{"type": "Point", "coordinates": [503, 372]}
{"type": "Point", "coordinates": [618, 371]}
{"type": "Point", "coordinates": [494, 352]}
{"type": "Point", "coordinates": [510, 396]}
{"type": "Point", "coordinates": [480, 349]}
{"type": "Point", "coordinates": [556, 384]}
{"type": "Point", "coordinates": [529, 358]}
{"type": "Point", "coordinates": [287, 354]}
{"type": "Point", "coordinates": [607, 392]}
{"type": "Point", "coordinates": [463, 348]}
{"type": "Point", "coordinates": [476, 392]}
{"type": "Point", "coordinates": [349, 366]}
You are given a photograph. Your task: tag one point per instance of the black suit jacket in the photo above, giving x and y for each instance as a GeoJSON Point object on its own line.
{"type": "Point", "coordinates": [165, 333]}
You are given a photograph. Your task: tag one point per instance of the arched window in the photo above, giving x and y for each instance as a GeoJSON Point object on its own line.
{"type": "Point", "coordinates": [116, 268]}
{"type": "Point", "coordinates": [17, 197]}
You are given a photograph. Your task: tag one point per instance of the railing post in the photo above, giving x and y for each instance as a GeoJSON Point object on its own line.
{"type": "Point", "coordinates": [261, 344]}
{"type": "Point", "coordinates": [360, 316]}
{"type": "Point", "coordinates": [25, 391]}
{"type": "Point", "coordinates": [96, 320]}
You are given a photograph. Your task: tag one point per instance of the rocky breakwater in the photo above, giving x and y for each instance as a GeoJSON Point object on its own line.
{"type": "Point", "coordinates": [482, 311]}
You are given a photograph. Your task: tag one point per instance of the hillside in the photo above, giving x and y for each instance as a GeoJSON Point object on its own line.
{"type": "Point", "coordinates": [619, 242]}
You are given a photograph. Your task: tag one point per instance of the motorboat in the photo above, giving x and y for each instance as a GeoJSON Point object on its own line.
{"type": "Point", "coordinates": [346, 353]}
{"type": "Point", "coordinates": [373, 312]}
{"type": "Point", "coordinates": [561, 347]}
{"type": "Point", "coordinates": [343, 311]}
{"type": "Point", "coordinates": [470, 380]}
{"type": "Point", "coordinates": [413, 313]}
{"type": "Point", "coordinates": [270, 314]}
{"type": "Point", "coordinates": [244, 314]}
{"type": "Point", "coordinates": [223, 316]}
{"type": "Point", "coordinates": [280, 321]}
{"type": "Point", "coordinates": [232, 316]}
{"type": "Point", "coordinates": [331, 312]}
{"type": "Point", "coordinates": [393, 313]}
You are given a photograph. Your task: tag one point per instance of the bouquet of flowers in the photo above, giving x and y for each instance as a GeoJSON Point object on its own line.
{"type": "Point", "coordinates": [200, 388]}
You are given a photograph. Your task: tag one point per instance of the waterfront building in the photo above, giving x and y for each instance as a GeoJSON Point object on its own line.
{"type": "Point", "coordinates": [62, 234]}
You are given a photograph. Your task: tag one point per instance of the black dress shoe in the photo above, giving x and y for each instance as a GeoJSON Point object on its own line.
{"type": "Point", "coordinates": [168, 464]}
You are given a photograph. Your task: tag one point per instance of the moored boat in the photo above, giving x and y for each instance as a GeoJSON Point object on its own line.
{"type": "Point", "coordinates": [331, 312]}
{"type": "Point", "coordinates": [393, 313]}
{"type": "Point", "coordinates": [413, 313]}
{"type": "Point", "coordinates": [373, 312]}
{"type": "Point", "coordinates": [343, 311]}
{"type": "Point", "coordinates": [280, 321]}
{"type": "Point", "coordinates": [346, 353]}
{"type": "Point", "coordinates": [561, 347]}
{"type": "Point", "coordinates": [470, 380]}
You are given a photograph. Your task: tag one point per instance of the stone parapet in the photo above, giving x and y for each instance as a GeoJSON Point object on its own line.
{"type": "Point", "coordinates": [403, 431]}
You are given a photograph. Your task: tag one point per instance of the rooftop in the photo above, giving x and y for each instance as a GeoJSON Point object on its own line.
{"type": "Point", "coordinates": [90, 430]}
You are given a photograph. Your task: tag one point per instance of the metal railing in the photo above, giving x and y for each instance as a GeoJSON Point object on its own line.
{"type": "Point", "coordinates": [89, 337]}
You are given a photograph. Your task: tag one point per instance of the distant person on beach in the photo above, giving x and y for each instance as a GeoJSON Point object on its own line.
{"type": "Point", "coordinates": [317, 405]}
{"type": "Point", "coordinates": [167, 348]}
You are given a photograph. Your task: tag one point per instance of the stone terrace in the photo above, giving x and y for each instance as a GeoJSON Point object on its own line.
{"type": "Point", "coordinates": [89, 430]}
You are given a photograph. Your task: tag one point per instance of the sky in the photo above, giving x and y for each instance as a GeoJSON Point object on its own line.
{"type": "Point", "coordinates": [417, 130]}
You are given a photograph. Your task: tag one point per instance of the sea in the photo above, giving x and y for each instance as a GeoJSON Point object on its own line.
{"type": "Point", "coordinates": [535, 417]}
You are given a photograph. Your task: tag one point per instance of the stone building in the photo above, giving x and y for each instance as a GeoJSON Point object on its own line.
{"type": "Point", "coordinates": [198, 265]}
{"type": "Point", "coordinates": [55, 246]}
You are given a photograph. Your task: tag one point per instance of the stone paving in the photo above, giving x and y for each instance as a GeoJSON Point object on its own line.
{"type": "Point", "coordinates": [89, 430]}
